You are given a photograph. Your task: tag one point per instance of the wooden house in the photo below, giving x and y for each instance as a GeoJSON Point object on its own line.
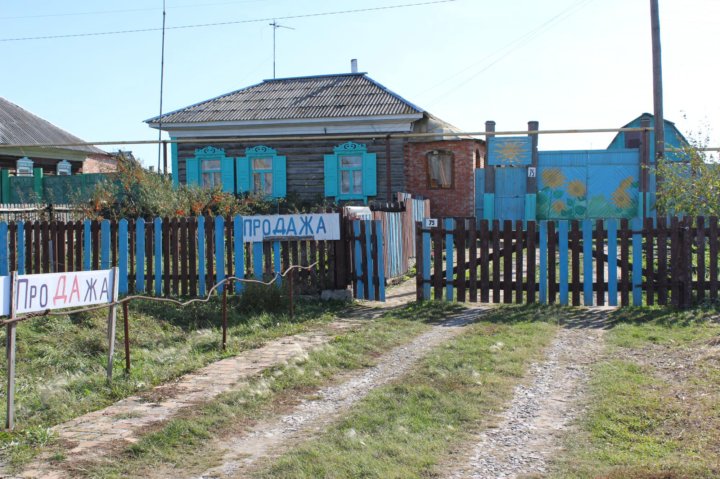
{"type": "Point", "coordinates": [20, 127]}
{"type": "Point", "coordinates": [321, 138]}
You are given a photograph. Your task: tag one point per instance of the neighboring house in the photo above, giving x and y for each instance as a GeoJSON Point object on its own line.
{"type": "Point", "coordinates": [233, 141]}
{"type": "Point", "coordinates": [633, 139]}
{"type": "Point", "coordinates": [20, 127]}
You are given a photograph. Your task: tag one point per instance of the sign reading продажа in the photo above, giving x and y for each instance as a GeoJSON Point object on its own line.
{"type": "Point", "coordinates": [39, 292]}
{"type": "Point", "coordinates": [324, 226]}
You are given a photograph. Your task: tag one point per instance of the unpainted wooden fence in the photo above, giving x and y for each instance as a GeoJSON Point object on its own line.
{"type": "Point", "coordinates": [605, 262]}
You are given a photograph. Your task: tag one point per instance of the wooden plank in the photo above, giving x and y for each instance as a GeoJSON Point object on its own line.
{"type": "Point", "coordinates": [612, 261]}
{"type": "Point", "coordinates": [229, 246]}
{"type": "Point", "coordinates": [496, 261]}
{"type": "Point", "coordinates": [530, 262]}
{"type": "Point", "coordinates": [637, 262]}
{"type": "Point", "coordinates": [52, 247]}
{"type": "Point", "coordinates": [175, 255]}
{"type": "Point", "coordinates": [12, 231]}
{"type": "Point", "coordinates": [239, 246]}
{"type": "Point", "coordinates": [131, 254]}
{"type": "Point", "coordinates": [713, 247]}
{"type": "Point", "coordinates": [219, 232]}
{"type": "Point", "coordinates": [575, 262]}
{"type": "Point", "coordinates": [45, 247]}
{"type": "Point", "coordinates": [519, 266]}
{"type": "Point", "coordinates": [87, 245]}
{"type": "Point", "coordinates": [60, 247]}
{"type": "Point", "coordinates": [380, 262]}
{"type": "Point", "coordinates": [95, 250]}
{"type": "Point", "coordinates": [209, 252]}
{"type": "Point", "coordinates": [459, 234]}
{"type": "Point", "coordinates": [552, 262]}
{"type": "Point", "coordinates": [687, 270]}
{"type": "Point", "coordinates": [438, 266]}
{"type": "Point", "coordinates": [425, 252]}
{"type": "Point", "coordinates": [183, 256]}
{"type": "Point", "coordinates": [484, 262]}
{"type": "Point", "coordinates": [648, 232]}
{"type": "Point", "coordinates": [563, 252]}
{"type": "Point", "coordinates": [376, 254]}
{"type": "Point", "coordinates": [675, 266]}
{"type": "Point", "coordinates": [662, 262]}
{"type": "Point", "coordinates": [420, 261]}
{"type": "Point", "coordinates": [358, 280]}
{"type": "Point", "coordinates": [140, 255]}
{"type": "Point", "coordinates": [149, 260]}
{"type": "Point", "coordinates": [105, 244]}
{"type": "Point", "coordinates": [29, 250]}
{"type": "Point", "coordinates": [507, 247]}
{"type": "Point", "coordinates": [322, 265]}
{"type": "Point", "coordinates": [449, 259]}
{"type": "Point", "coordinates": [161, 236]}
{"type": "Point", "coordinates": [114, 243]}
{"type": "Point", "coordinates": [201, 275]}
{"type": "Point", "coordinates": [599, 263]}
{"type": "Point", "coordinates": [700, 249]}
{"type": "Point", "coordinates": [624, 262]}
{"type": "Point", "coordinates": [122, 256]}
{"type": "Point", "coordinates": [192, 256]}
{"type": "Point", "coordinates": [37, 269]}
{"type": "Point", "coordinates": [587, 263]}
{"type": "Point", "coordinates": [472, 259]}
{"type": "Point", "coordinates": [370, 265]}
{"type": "Point", "coordinates": [167, 259]}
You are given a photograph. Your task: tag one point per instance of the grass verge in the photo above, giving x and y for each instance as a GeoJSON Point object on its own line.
{"type": "Point", "coordinates": [654, 406]}
{"type": "Point", "coordinates": [183, 443]}
{"type": "Point", "coordinates": [406, 429]}
{"type": "Point", "coordinates": [61, 360]}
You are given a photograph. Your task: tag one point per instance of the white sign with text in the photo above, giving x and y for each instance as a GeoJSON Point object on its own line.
{"type": "Point", "coordinates": [324, 226]}
{"type": "Point", "coordinates": [4, 295]}
{"type": "Point", "coordinates": [40, 292]}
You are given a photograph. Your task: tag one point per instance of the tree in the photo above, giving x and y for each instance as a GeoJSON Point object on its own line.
{"type": "Point", "coordinates": [690, 185]}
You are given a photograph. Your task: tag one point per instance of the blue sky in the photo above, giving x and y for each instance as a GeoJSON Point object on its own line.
{"type": "Point", "coordinates": [566, 63]}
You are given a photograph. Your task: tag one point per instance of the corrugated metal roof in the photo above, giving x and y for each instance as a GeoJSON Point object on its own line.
{"type": "Point", "coordinates": [326, 96]}
{"type": "Point", "coordinates": [20, 127]}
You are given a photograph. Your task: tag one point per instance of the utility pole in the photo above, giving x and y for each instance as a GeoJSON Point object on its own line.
{"type": "Point", "coordinates": [162, 81]}
{"type": "Point", "coordinates": [275, 26]}
{"type": "Point", "coordinates": [657, 81]}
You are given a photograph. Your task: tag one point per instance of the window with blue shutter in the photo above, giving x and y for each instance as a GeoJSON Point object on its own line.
{"type": "Point", "coordinates": [262, 172]}
{"type": "Point", "coordinates": [351, 173]}
{"type": "Point", "coordinates": [210, 168]}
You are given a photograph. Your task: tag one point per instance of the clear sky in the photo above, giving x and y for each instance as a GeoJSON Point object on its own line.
{"type": "Point", "coordinates": [565, 63]}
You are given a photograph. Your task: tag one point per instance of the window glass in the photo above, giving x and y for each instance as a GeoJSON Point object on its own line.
{"type": "Point", "coordinates": [211, 180]}
{"type": "Point", "coordinates": [262, 163]}
{"type": "Point", "coordinates": [440, 169]}
{"type": "Point", "coordinates": [209, 165]}
{"type": "Point", "coordinates": [262, 183]}
{"type": "Point", "coordinates": [353, 161]}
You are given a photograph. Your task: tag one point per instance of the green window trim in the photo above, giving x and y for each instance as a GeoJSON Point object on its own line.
{"type": "Point", "coordinates": [262, 171]}
{"type": "Point", "coordinates": [210, 168]}
{"type": "Point", "coordinates": [348, 179]}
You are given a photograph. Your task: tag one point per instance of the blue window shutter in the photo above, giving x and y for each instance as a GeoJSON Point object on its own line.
{"type": "Point", "coordinates": [242, 165]}
{"type": "Point", "coordinates": [331, 175]}
{"type": "Point", "coordinates": [279, 185]}
{"type": "Point", "coordinates": [192, 172]}
{"type": "Point", "coordinates": [369, 169]}
{"type": "Point", "coordinates": [227, 173]}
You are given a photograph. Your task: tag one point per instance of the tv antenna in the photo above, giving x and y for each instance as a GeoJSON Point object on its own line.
{"type": "Point", "coordinates": [275, 26]}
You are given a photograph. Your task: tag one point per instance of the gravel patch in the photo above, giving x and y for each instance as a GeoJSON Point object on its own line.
{"type": "Point", "coordinates": [528, 434]}
{"type": "Point", "coordinates": [312, 416]}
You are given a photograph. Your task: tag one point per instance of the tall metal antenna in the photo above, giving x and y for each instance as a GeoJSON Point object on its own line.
{"type": "Point", "coordinates": [162, 78]}
{"type": "Point", "coordinates": [275, 26]}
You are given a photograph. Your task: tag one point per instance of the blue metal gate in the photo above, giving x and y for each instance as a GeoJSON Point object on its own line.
{"type": "Point", "coordinates": [510, 188]}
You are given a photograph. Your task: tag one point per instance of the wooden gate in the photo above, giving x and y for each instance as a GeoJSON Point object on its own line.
{"type": "Point", "coordinates": [510, 188]}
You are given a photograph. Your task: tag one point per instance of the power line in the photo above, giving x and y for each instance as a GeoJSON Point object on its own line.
{"type": "Point", "coordinates": [236, 22]}
{"type": "Point", "coordinates": [508, 49]}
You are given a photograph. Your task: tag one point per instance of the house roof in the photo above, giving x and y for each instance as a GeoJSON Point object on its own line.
{"type": "Point", "coordinates": [323, 96]}
{"type": "Point", "coordinates": [681, 140]}
{"type": "Point", "coordinates": [20, 127]}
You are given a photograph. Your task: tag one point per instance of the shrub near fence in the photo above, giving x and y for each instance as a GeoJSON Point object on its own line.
{"type": "Point", "coordinates": [167, 257]}
{"type": "Point", "coordinates": [665, 261]}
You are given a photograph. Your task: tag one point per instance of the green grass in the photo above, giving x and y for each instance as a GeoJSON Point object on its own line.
{"type": "Point", "coordinates": [407, 428]}
{"type": "Point", "coordinates": [183, 443]}
{"type": "Point", "coordinates": [654, 404]}
{"type": "Point", "coordinates": [61, 360]}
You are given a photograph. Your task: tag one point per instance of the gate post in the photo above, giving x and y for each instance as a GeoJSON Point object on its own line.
{"type": "Point", "coordinates": [489, 195]}
{"type": "Point", "coordinates": [531, 185]}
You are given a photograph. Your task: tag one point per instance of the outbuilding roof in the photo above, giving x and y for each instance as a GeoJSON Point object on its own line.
{"type": "Point", "coordinates": [20, 127]}
{"type": "Point", "coordinates": [323, 96]}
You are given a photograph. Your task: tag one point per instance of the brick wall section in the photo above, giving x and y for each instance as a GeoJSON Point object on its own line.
{"type": "Point", "coordinates": [99, 164]}
{"type": "Point", "coordinates": [456, 201]}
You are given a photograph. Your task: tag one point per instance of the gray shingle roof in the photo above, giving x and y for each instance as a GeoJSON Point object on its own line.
{"type": "Point", "coordinates": [20, 127]}
{"type": "Point", "coordinates": [326, 96]}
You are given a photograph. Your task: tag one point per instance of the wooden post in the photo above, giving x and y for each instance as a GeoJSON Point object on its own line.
{"type": "Point", "coordinates": [224, 319]}
{"type": "Point", "coordinates": [126, 322]}
{"type": "Point", "coordinates": [644, 165]}
{"type": "Point", "coordinates": [291, 285]}
{"type": "Point", "coordinates": [112, 317]}
{"type": "Point", "coordinates": [657, 80]}
{"type": "Point", "coordinates": [10, 417]}
{"type": "Point", "coordinates": [489, 173]}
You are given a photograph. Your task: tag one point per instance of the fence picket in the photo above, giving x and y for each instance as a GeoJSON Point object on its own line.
{"type": "Point", "coordinates": [507, 250]}
{"type": "Point", "coordinates": [381, 262]}
{"type": "Point", "coordinates": [675, 253]}
{"type": "Point", "coordinates": [563, 250]}
{"type": "Point", "coordinates": [160, 242]}
{"type": "Point", "coordinates": [123, 256]}
{"type": "Point", "coordinates": [587, 263]}
{"type": "Point", "coordinates": [219, 252]}
{"type": "Point", "coordinates": [4, 249]}
{"type": "Point", "coordinates": [201, 254]}
{"type": "Point", "coordinates": [552, 262]}
{"type": "Point", "coordinates": [87, 245]}
{"type": "Point", "coordinates": [575, 262]}
{"type": "Point", "coordinates": [542, 290]}
{"type": "Point", "coordinates": [713, 247]}
{"type": "Point", "coordinates": [612, 262]}
{"type": "Point", "coordinates": [531, 270]}
{"type": "Point", "coordinates": [519, 273]}
{"type": "Point", "coordinates": [104, 244]}
{"type": "Point", "coordinates": [175, 254]}
{"type": "Point", "coordinates": [472, 259]}
{"type": "Point", "coordinates": [484, 262]}
{"type": "Point", "coordinates": [239, 252]}
{"type": "Point", "coordinates": [449, 259]}
{"type": "Point", "coordinates": [624, 263]}
{"type": "Point", "coordinates": [21, 247]}
{"type": "Point", "coordinates": [183, 260]}
{"type": "Point", "coordinates": [600, 262]}
{"type": "Point", "coordinates": [637, 262]}
{"type": "Point", "coordinates": [459, 235]}
{"type": "Point", "coordinates": [359, 263]}
{"type": "Point", "coordinates": [700, 245]}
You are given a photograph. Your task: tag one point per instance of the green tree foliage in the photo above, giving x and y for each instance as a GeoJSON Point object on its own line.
{"type": "Point", "coordinates": [690, 186]}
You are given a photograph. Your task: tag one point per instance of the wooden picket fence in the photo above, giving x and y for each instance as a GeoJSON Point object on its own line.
{"type": "Point", "coordinates": [368, 259]}
{"type": "Point", "coordinates": [661, 261]}
{"type": "Point", "coordinates": [170, 256]}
